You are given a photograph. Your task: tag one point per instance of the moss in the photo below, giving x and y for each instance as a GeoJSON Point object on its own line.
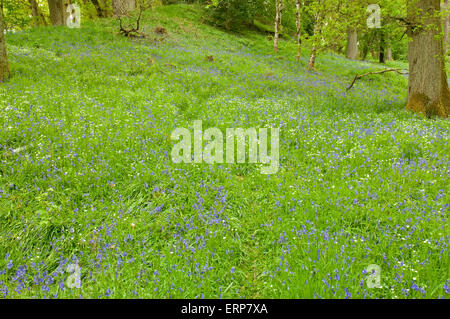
{"type": "Point", "coordinates": [421, 104]}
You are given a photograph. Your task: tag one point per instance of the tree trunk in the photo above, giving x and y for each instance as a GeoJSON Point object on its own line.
{"type": "Point", "coordinates": [428, 91]}
{"type": "Point", "coordinates": [38, 16]}
{"type": "Point", "coordinates": [365, 49]}
{"type": "Point", "coordinates": [352, 44]}
{"type": "Point", "coordinates": [34, 11]}
{"type": "Point", "coordinates": [446, 23]}
{"type": "Point", "coordinates": [365, 52]}
{"type": "Point", "coordinates": [298, 23]}
{"type": "Point", "coordinates": [123, 7]}
{"type": "Point", "coordinates": [101, 13]}
{"type": "Point", "coordinates": [389, 52]}
{"type": "Point", "coordinates": [4, 66]}
{"type": "Point", "coordinates": [279, 12]}
{"type": "Point", "coordinates": [382, 47]}
{"type": "Point", "coordinates": [312, 59]}
{"type": "Point", "coordinates": [58, 13]}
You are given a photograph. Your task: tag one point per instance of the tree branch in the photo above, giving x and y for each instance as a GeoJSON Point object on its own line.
{"type": "Point", "coordinates": [357, 77]}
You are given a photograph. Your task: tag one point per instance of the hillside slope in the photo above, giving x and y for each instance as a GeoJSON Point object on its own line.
{"type": "Point", "coordinates": [86, 175]}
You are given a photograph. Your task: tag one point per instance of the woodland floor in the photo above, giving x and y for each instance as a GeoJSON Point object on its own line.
{"type": "Point", "coordinates": [86, 174]}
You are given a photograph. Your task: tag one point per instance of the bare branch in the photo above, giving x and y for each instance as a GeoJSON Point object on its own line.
{"type": "Point", "coordinates": [357, 77]}
{"type": "Point", "coordinates": [131, 31]}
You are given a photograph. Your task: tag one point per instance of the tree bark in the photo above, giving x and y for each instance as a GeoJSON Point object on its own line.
{"type": "Point", "coordinates": [312, 59]}
{"type": "Point", "coordinates": [446, 24]}
{"type": "Point", "coordinates": [382, 56]}
{"type": "Point", "coordinates": [58, 13]}
{"type": "Point", "coordinates": [38, 16]}
{"type": "Point", "coordinates": [352, 44]}
{"type": "Point", "coordinates": [278, 16]}
{"type": "Point", "coordinates": [4, 66]}
{"type": "Point", "coordinates": [313, 55]}
{"type": "Point", "coordinates": [389, 52]}
{"type": "Point", "coordinates": [428, 91]}
{"type": "Point", "coordinates": [101, 12]}
{"type": "Point", "coordinates": [298, 23]}
{"type": "Point", "coordinates": [365, 49]}
{"type": "Point", "coordinates": [123, 7]}
{"type": "Point", "coordinates": [34, 11]}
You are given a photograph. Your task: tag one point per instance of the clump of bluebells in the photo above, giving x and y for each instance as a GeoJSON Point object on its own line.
{"type": "Point", "coordinates": [99, 210]}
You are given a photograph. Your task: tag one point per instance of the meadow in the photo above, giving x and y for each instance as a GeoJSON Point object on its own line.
{"type": "Point", "coordinates": [86, 175]}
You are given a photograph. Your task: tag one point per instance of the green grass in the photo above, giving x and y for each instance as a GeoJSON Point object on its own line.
{"type": "Point", "coordinates": [361, 182]}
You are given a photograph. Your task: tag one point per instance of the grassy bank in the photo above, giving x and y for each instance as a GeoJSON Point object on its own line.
{"type": "Point", "coordinates": [86, 174]}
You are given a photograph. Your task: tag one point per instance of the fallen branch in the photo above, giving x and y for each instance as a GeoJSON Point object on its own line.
{"type": "Point", "coordinates": [357, 77]}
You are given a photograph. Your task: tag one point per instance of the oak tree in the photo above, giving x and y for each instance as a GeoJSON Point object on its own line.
{"type": "Point", "coordinates": [428, 91]}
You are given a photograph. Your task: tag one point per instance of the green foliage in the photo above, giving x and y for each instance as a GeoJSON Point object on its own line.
{"type": "Point", "coordinates": [234, 14]}
{"type": "Point", "coordinates": [17, 14]}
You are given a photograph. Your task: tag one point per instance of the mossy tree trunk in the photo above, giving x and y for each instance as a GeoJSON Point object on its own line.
{"type": "Point", "coordinates": [428, 91]}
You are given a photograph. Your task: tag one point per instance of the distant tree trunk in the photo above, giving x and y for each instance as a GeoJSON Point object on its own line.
{"type": "Point", "coordinates": [313, 55]}
{"type": "Point", "coordinates": [58, 13]}
{"type": "Point", "coordinates": [368, 39]}
{"type": "Point", "coordinates": [34, 11]}
{"type": "Point", "coordinates": [365, 48]}
{"type": "Point", "coordinates": [37, 14]}
{"type": "Point", "coordinates": [4, 66]}
{"type": "Point", "coordinates": [352, 44]}
{"type": "Point", "coordinates": [389, 51]}
{"type": "Point", "coordinates": [446, 23]}
{"type": "Point", "coordinates": [122, 7]}
{"type": "Point", "coordinates": [312, 59]}
{"type": "Point", "coordinates": [365, 52]}
{"type": "Point", "coordinates": [389, 54]}
{"type": "Point", "coordinates": [298, 23]}
{"type": "Point", "coordinates": [107, 8]}
{"type": "Point", "coordinates": [101, 12]}
{"type": "Point", "coordinates": [279, 12]}
{"type": "Point", "coordinates": [428, 91]}
{"type": "Point", "coordinates": [38, 17]}
{"type": "Point", "coordinates": [382, 47]}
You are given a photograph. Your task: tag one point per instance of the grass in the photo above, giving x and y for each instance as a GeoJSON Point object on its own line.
{"type": "Point", "coordinates": [361, 180]}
